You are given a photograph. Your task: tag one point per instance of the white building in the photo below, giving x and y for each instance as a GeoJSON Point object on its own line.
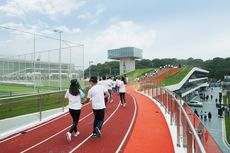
{"type": "Point", "coordinates": [127, 56]}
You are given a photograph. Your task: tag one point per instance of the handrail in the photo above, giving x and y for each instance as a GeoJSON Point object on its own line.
{"type": "Point", "coordinates": [201, 147]}
{"type": "Point", "coordinates": [178, 101]}
{"type": "Point", "coordinates": [31, 95]}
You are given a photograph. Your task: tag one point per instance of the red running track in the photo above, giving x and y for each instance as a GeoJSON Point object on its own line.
{"type": "Point", "coordinates": [51, 136]}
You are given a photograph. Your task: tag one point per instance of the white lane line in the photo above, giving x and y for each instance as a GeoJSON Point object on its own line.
{"type": "Point", "coordinates": [10, 138]}
{"type": "Point", "coordinates": [65, 114]}
{"type": "Point", "coordinates": [39, 125]}
{"type": "Point", "coordinates": [92, 134]}
{"type": "Point", "coordinates": [131, 125]}
{"type": "Point", "coordinates": [53, 135]}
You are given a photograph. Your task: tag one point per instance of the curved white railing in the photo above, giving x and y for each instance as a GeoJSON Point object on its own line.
{"type": "Point", "coordinates": [195, 137]}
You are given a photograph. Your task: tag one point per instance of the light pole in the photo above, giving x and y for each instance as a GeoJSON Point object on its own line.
{"type": "Point", "coordinates": [89, 68]}
{"type": "Point", "coordinates": [60, 81]}
{"type": "Point", "coordinates": [83, 62]}
{"type": "Point", "coordinates": [70, 54]}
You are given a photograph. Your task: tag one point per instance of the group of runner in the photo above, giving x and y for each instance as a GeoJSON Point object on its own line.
{"type": "Point", "coordinates": [99, 94]}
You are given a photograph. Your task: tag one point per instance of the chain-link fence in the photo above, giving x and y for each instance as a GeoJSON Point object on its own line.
{"type": "Point", "coordinates": [32, 62]}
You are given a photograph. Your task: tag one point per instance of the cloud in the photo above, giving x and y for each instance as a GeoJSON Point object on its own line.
{"type": "Point", "coordinates": [49, 7]}
{"type": "Point", "coordinates": [68, 30]}
{"type": "Point", "coordinates": [5, 42]}
{"type": "Point", "coordinates": [92, 17]}
{"type": "Point", "coordinates": [120, 34]}
{"type": "Point", "coordinates": [126, 33]}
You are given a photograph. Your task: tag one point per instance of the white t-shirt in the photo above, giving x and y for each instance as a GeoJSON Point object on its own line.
{"type": "Point", "coordinates": [105, 83]}
{"type": "Point", "coordinates": [74, 101]}
{"type": "Point", "coordinates": [121, 86]}
{"type": "Point", "coordinates": [96, 94]}
{"type": "Point", "coordinates": [110, 83]}
{"type": "Point", "coordinates": [117, 82]}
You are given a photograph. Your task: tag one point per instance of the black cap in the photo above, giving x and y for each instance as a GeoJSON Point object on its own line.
{"type": "Point", "coordinates": [93, 79]}
{"type": "Point", "coordinates": [73, 81]}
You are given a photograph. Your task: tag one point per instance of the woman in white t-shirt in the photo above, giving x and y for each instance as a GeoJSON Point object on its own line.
{"type": "Point", "coordinates": [74, 95]}
{"type": "Point", "coordinates": [96, 94]}
{"type": "Point", "coordinates": [121, 85]}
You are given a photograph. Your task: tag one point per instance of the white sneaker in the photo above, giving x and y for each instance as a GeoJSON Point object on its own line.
{"type": "Point", "coordinates": [76, 134]}
{"type": "Point", "coordinates": [98, 132]}
{"type": "Point", "coordinates": [124, 105]}
{"type": "Point", "coordinates": [68, 135]}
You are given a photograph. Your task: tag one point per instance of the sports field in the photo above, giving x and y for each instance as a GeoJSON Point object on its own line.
{"type": "Point", "coordinates": [31, 100]}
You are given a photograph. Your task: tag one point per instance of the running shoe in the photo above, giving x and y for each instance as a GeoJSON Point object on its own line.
{"type": "Point", "coordinates": [98, 132]}
{"type": "Point", "coordinates": [76, 134]}
{"type": "Point", "coordinates": [94, 134]}
{"type": "Point", "coordinates": [68, 135]}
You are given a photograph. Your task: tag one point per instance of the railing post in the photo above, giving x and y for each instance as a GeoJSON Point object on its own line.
{"type": "Point", "coordinates": [168, 99]}
{"type": "Point", "coordinates": [171, 110]}
{"type": "Point", "coordinates": [190, 141]}
{"type": "Point", "coordinates": [40, 107]}
{"type": "Point", "coordinates": [184, 126]}
{"type": "Point", "coordinates": [63, 106]}
{"type": "Point", "coordinates": [161, 97]}
{"type": "Point", "coordinates": [152, 91]}
{"type": "Point", "coordinates": [178, 125]}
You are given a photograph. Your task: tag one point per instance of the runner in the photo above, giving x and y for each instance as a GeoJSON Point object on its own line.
{"type": "Point", "coordinates": [121, 85]}
{"type": "Point", "coordinates": [96, 94]}
{"type": "Point", "coordinates": [74, 95]}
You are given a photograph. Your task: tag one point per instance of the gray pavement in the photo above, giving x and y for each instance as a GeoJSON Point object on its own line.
{"type": "Point", "coordinates": [215, 125]}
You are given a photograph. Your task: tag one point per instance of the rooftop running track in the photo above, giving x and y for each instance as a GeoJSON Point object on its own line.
{"type": "Point", "coordinates": [139, 127]}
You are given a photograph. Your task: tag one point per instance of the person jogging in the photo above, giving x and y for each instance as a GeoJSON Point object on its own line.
{"type": "Point", "coordinates": [111, 84]}
{"type": "Point", "coordinates": [107, 85]}
{"type": "Point", "coordinates": [96, 95]}
{"type": "Point", "coordinates": [74, 95]}
{"type": "Point", "coordinates": [121, 85]}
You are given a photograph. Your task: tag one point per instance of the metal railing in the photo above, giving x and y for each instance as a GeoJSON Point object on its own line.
{"type": "Point", "coordinates": [32, 103]}
{"type": "Point", "coordinates": [191, 133]}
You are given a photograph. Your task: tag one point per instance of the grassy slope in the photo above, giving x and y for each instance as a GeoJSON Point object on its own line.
{"type": "Point", "coordinates": [138, 72]}
{"type": "Point", "coordinates": [176, 77]}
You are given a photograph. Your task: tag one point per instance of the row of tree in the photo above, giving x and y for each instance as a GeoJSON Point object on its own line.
{"type": "Point", "coordinates": [217, 67]}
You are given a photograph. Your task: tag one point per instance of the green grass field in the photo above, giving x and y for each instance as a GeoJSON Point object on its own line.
{"type": "Point", "coordinates": [138, 72]}
{"type": "Point", "coordinates": [30, 104]}
{"type": "Point", "coordinates": [175, 77]}
{"type": "Point", "coordinates": [227, 102]}
{"type": "Point", "coordinates": [7, 90]}
{"type": "Point", "coordinates": [227, 126]}
{"type": "Point", "coordinates": [26, 105]}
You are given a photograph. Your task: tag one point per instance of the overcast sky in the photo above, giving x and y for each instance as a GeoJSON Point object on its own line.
{"type": "Point", "coordinates": [162, 28]}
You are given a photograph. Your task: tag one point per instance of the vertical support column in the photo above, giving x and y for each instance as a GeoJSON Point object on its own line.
{"type": "Point", "coordinates": [171, 109]}
{"type": "Point", "coordinates": [152, 92]}
{"type": "Point", "coordinates": [40, 107]}
{"type": "Point", "coordinates": [63, 105]}
{"type": "Point", "coordinates": [184, 125]}
{"type": "Point", "coordinates": [178, 119]}
{"type": "Point", "coordinates": [189, 140]}
{"type": "Point", "coordinates": [168, 102]}
{"type": "Point", "coordinates": [148, 91]}
{"type": "Point", "coordinates": [161, 96]}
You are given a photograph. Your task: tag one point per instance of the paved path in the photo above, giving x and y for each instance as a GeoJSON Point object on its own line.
{"type": "Point", "coordinates": [215, 125]}
{"type": "Point", "coordinates": [151, 133]}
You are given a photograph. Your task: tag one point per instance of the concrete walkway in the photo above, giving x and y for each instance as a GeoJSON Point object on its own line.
{"type": "Point", "coordinates": [215, 125]}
